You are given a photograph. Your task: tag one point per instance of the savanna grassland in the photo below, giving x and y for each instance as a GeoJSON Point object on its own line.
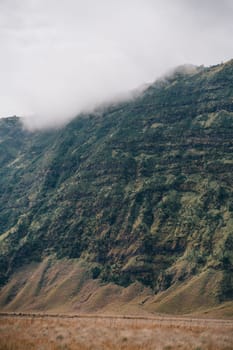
{"type": "Point", "coordinates": [29, 332]}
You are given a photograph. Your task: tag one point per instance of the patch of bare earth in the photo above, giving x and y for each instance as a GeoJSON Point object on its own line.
{"type": "Point", "coordinates": [113, 333]}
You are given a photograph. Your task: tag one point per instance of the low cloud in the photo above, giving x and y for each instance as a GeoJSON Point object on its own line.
{"type": "Point", "coordinates": [59, 58]}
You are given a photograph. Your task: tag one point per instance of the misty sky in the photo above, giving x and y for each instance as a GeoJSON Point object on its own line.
{"type": "Point", "coordinates": [59, 57]}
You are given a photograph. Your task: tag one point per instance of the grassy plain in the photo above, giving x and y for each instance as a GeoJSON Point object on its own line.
{"type": "Point", "coordinates": [57, 332]}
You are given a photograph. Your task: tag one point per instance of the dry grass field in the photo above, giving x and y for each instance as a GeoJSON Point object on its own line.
{"type": "Point", "coordinates": [29, 332]}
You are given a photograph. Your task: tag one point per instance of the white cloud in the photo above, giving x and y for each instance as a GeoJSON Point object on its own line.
{"type": "Point", "coordinates": [59, 57]}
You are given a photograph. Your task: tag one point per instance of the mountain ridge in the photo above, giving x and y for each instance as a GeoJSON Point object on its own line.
{"type": "Point", "coordinates": [140, 193]}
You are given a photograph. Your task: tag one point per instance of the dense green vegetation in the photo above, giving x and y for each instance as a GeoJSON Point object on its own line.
{"type": "Point", "coordinates": [142, 190]}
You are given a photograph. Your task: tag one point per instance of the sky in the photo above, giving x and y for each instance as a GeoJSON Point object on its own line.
{"type": "Point", "coordinates": [62, 57]}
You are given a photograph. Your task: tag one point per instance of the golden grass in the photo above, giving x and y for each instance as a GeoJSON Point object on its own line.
{"type": "Point", "coordinates": [198, 293]}
{"type": "Point", "coordinates": [113, 333]}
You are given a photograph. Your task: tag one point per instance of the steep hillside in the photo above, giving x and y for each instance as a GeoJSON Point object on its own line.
{"type": "Point", "coordinates": [139, 194]}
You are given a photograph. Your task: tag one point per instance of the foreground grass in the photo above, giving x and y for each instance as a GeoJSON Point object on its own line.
{"type": "Point", "coordinates": [99, 333]}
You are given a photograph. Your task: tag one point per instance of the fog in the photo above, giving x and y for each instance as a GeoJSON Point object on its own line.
{"type": "Point", "coordinates": [61, 57]}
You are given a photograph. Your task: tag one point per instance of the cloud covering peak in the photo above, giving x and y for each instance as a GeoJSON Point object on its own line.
{"type": "Point", "coordinates": [59, 57]}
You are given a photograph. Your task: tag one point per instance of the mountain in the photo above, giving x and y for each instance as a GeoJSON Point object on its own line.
{"type": "Point", "coordinates": [131, 205]}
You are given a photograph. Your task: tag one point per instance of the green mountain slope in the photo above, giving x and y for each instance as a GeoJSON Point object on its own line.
{"type": "Point", "coordinates": [139, 192]}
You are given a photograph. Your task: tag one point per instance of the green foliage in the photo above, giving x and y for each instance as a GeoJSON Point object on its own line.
{"type": "Point", "coordinates": [95, 271]}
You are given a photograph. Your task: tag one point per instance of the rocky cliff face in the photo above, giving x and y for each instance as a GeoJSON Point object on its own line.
{"type": "Point", "coordinates": [141, 192]}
